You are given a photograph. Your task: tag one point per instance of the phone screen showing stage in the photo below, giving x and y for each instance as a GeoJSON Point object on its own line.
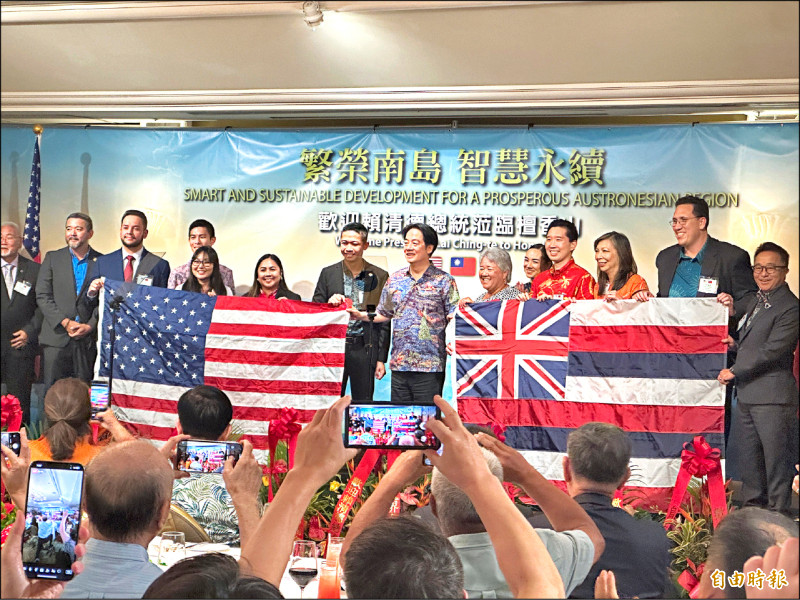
{"type": "Point", "coordinates": [197, 456]}
{"type": "Point", "coordinates": [52, 519]}
{"type": "Point", "coordinates": [99, 396]}
{"type": "Point", "coordinates": [396, 427]}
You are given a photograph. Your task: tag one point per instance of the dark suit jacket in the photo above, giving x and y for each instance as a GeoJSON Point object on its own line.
{"type": "Point", "coordinates": [765, 356]}
{"type": "Point", "coordinates": [110, 266]}
{"type": "Point", "coordinates": [56, 297]}
{"type": "Point", "coordinates": [636, 550]}
{"type": "Point", "coordinates": [331, 281]}
{"type": "Point", "coordinates": [728, 264]}
{"type": "Point", "coordinates": [21, 311]}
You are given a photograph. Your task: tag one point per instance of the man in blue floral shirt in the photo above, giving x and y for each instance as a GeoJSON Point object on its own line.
{"type": "Point", "coordinates": [421, 299]}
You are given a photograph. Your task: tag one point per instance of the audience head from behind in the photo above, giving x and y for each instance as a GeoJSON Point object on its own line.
{"type": "Point", "coordinates": [402, 558]}
{"type": "Point", "coordinates": [452, 507]}
{"type": "Point", "coordinates": [209, 576]}
{"type": "Point", "coordinates": [68, 409]}
{"type": "Point", "coordinates": [205, 412]}
{"type": "Point", "coordinates": [597, 459]}
{"type": "Point", "coordinates": [127, 493]}
{"type": "Point", "coordinates": [742, 534]}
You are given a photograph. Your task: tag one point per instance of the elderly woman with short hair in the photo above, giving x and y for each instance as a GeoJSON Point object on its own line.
{"type": "Point", "coordinates": [495, 275]}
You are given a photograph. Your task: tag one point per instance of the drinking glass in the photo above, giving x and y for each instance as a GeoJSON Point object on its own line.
{"type": "Point", "coordinates": [303, 563]}
{"type": "Point", "coordinates": [172, 548]}
{"type": "Point", "coordinates": [328, 581]}
{"type": "Point", "coordinates": [333, 550]}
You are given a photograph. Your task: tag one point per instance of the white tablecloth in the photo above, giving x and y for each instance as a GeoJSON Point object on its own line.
{"type": "Point", "coordinates": [288, 587]}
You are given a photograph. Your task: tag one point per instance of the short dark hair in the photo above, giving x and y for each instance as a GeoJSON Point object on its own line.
{"type": "Point", "coordinates": [135, 213]}
{"type": "Point", "coordinates": [402, 558]}
{"type": "Point", "coordinates": [599, 452]}
{"type": "Point", "coordinates": [773, 247]}
{"type": "Point", "coordinates": [83, 217]}
{"type": "Point", "coordinates": [211, 575]}
{"type": "Point", "coordinates": [202, 223]}
{"type": "Point", "coordinates": [699, 206]}
{"type": "Point", "coordinates": [126, 496]}
{"type": "Point", "coordinates": [745, 533]}
{"type": "Point", "coordinates": [572, 231]}
{"type": "Point", "coordinates": [358, 228]}
{"type": "Point", "coordinates": [204, 412]}
{"type": "Point", "coordinates": [429, 235]}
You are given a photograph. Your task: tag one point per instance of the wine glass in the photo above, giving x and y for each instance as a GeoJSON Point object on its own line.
{"type": "Point", "coordinates": [303, 563]}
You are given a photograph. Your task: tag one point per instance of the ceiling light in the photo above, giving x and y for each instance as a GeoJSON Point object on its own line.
{"type": "Point", "coordinates": [312, 14]}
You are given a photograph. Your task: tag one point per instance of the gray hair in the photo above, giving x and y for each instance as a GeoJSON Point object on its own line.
{"type": "Point", "coordinates": [12, 224]}
{"type": "Point", "coordinates": [499, 257]}
{"type": "Point", "coordinates": [454, 509]}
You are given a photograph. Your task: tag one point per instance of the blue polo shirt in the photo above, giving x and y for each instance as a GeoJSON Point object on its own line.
{"type": "Point", "coordinates": [686, 281]}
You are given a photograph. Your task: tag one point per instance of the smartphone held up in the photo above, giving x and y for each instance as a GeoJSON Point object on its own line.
{"type": "Point", "coordinates": [398, 427]}
{"type": "Point", "coordinates": [52, 519]}
{"type": "Point", "coordinates": [201, 456]}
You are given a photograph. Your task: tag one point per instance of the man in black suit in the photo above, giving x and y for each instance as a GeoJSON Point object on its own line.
{"type": "Point", "coordinates": [700, 266]}
{"type": "Point", "coordinates": [362, 282]}
{"type": "Point", "coordinates": [20, 317]}
{"type": "Point", "coordinates": [67, 337]}
{"type": "Point", "coordinates": [596, 465]}
{"type": "Point", "coordinates": [766, 410]}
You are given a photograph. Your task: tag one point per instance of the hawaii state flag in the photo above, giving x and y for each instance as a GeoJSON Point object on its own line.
{"type": "Point", "coordinates": [543, 369]}
{"type": "Point", "coordinates": [265, 354]}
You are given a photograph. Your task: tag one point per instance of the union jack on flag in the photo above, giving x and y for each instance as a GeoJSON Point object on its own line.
{"type": "Point", "coordinates": [509, 349]}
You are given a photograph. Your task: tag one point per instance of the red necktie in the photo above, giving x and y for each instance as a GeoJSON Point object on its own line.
{"type": "Point", "coordinates": [129, 269]}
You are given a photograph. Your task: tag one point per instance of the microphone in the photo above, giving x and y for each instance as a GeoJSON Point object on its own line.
{"type": "Point", "coordinates": [116, 302]}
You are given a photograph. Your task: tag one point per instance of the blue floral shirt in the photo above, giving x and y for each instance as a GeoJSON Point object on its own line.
{"type": "Point", "coordinates": [420, 310]}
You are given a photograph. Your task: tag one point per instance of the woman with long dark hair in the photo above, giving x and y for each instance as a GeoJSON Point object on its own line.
{"type": "Point", "coordinates": [68, 436]}
{"type": "Point", "coordinates": [617, 278]}
{"type": "Point", "coordinates": [204, 274]}
{"type": "Point", "coordinates": [269, 280]}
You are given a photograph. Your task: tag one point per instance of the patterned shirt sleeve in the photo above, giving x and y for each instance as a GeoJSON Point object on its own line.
{"type": "Point", "coordinates": [586, 288]}
{"type": "Point", "coordinates": [452, 297]}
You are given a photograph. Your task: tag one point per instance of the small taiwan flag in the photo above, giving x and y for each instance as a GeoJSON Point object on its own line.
{"type": "Point", "coordinates": [463, 266]}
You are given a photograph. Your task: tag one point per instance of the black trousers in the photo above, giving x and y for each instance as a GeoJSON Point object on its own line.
{"type": "Point", "coordinates": [358, 369]}
{"type": "Point", "coordinates": [76, 359]}
{"type": "Point", "coordinates": [18, 375]}
{"type": "Point", "coordinates": [415, 387]}
{"type": "Point", "coordinates": [766, 439]}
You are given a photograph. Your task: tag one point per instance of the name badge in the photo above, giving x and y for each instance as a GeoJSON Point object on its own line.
{"type": "Point", "coordinates": [708, 285]}
{"type": "Point", "coordinates": [23, 287]}
{"type": "Point", "coordinates": [144, 280]}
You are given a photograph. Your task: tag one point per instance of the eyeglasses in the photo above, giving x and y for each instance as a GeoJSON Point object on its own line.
{"type": "Point", "coordinates": [201, 263]}
{"type": "Point", "coordinates": [682, 221]}
{"type": "Point", "coordinates": [770, 269]}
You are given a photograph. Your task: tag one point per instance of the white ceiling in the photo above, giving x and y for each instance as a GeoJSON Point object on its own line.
{"type": "Point", "coordinates": [258, 60]}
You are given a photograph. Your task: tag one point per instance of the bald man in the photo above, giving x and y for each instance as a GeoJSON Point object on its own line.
{"type": "Point", "coordinates": [127, 494]}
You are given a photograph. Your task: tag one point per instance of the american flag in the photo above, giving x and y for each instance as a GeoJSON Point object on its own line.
{"type": "Point", "coordinates": [542, 369]}
{"type": "Point", "coordinates": [31, 237]}
{"type": "Point", "coordinates": [265, 354]}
